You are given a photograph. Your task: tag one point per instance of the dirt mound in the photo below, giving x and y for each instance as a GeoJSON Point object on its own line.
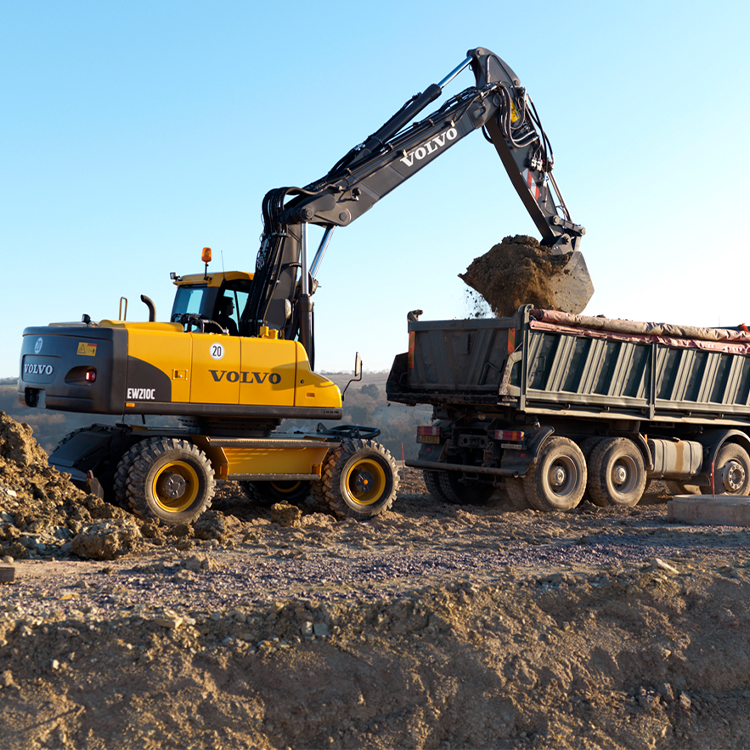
{"type": "Point", "coordinates": [17, 443]}
{"type": "Point", "coordinates": [43, 515]}
{"type": "Point", "coordinates": [516, 272]}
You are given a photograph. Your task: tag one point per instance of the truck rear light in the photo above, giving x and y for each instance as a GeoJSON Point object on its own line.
{"type": "Point", "coordinates": [90, 376]}
{"type": "Point", "coordinates": [428, 434]}
{"type": "Point", "coordinates": [509, 436]}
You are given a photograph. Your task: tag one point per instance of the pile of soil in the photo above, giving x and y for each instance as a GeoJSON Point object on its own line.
{"type": "Point", "coordinates": [430, 626]}
{"type": "Point", "coordinates": [515, 272]}
{"type": "Point", "coordinates": [43, 515]}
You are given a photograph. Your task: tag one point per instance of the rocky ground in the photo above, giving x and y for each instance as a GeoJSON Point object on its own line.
{"type": "Point", "coordinates": [432, 626]}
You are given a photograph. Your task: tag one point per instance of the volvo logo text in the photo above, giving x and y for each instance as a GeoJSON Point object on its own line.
{"type": "Point", "coordinates": [233, 376]}
{"type": "Point", "coordinates": [34, 369]}
{"type": "Point", "coordinates": [430, 147]}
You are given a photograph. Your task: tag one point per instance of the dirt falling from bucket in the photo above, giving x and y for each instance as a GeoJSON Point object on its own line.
{"type": "Point", "coordinates": [515, 272]}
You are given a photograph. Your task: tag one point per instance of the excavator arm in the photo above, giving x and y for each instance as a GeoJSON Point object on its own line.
{"type": "Point", "coordinates": [285, 277]}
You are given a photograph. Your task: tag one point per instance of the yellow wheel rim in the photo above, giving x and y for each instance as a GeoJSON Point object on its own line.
{"type": "Point", "coordinates": [366, 482]}
{"type": "Point", "coordinates": [175, 486]}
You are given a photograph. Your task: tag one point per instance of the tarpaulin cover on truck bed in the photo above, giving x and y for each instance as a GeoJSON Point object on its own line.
{"type": "Point", "coordinates": [711, 339]}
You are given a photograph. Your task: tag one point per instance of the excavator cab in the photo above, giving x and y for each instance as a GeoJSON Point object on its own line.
{"type": "Point", "coordinates": [218, 298]}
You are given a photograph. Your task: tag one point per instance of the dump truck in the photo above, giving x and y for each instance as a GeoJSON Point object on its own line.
{"type": "Point", "coordinates": [554, 407]}
{"type": "Point", "coordinates": [236, 356]}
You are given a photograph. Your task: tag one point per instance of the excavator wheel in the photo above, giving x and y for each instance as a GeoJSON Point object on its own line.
{"type": "Point", "coordinates": [171, 480]}
{"type": "Point", "coordinates": [464, 494]}
{"type": "Point", "coordinates": [268, 493]}
{"type": "Point", "coordinates": [359, 479]}
{"type": "Point", "coordinates": [121, 476]}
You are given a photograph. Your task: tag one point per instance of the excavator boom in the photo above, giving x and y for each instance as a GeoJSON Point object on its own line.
{"type": "Point", "coordinates": [498, 105]}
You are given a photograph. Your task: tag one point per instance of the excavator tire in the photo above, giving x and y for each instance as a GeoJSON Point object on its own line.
{"type": "Point", "coordinates": [318, 494]}
{"type": "Point", "coordinates": [359, 479]}
{"type": "Point", "coordinates": [464, 494]}
{"type": "Point", "coordinates": [121, 476]}
{"type": "Point", "coordinates": [268, 493]}
{"type": "Point", "coordinates": [170, 480]}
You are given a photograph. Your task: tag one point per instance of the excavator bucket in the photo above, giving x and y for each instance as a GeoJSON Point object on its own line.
{"type": "Point", "coordinates": [521, 271]}
{"type": "Point", "coordinates": [571, 288]}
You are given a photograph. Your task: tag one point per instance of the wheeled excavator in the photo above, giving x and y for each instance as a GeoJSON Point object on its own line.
{"type": "Point", "coordinates": [237, 354]}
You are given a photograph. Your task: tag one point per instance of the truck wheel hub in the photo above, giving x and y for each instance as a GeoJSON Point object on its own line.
{"type": "Point", "coordinates": [620, 475]}
{"type": "Point", "coordinates": [733, 476]}
{"type": "Point", "coordinates": [558, 476]}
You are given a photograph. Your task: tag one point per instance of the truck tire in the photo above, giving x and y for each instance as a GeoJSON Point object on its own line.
{"type": "Point", "coordinates": [731, 471]}
{"type": "Point", "coordinates": [432, 482]}
{"type": "Point", "coordinates": [557, 478]}
{"type": "Point", "coordinates": [587, 447]}
{"type": "Point", "coordinates": [617, 475]}
{"type": "Point", "coordinates": [359, 479]}
{"type": "Point", "coordinates": [516, 493]}
{"type": "Point", "coordinates": [268, 493]}
{"type": "Point", "coordinates": [458, 493]}
{"type": "Point", "coordinates": [170, 480]}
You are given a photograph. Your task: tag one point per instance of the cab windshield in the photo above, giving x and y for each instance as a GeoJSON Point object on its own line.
{"type": "Point", "coordinates": [188, 300]}
{"type": "Point", "coordinates": [223, 304]}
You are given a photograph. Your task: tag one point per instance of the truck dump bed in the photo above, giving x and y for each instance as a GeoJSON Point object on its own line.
{"type": "Point", "coordinates": [546, 362]}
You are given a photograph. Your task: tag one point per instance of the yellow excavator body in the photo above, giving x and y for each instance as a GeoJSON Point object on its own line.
{"type": "Point", "coordinates": [208, 368]}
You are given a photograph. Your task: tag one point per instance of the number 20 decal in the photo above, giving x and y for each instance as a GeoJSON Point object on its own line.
{"type": "Point", "coordinates": [217, 351]}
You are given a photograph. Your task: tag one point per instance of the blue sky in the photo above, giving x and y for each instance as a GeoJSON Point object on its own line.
{"type": "Point", "coordinates": [134, 134]}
